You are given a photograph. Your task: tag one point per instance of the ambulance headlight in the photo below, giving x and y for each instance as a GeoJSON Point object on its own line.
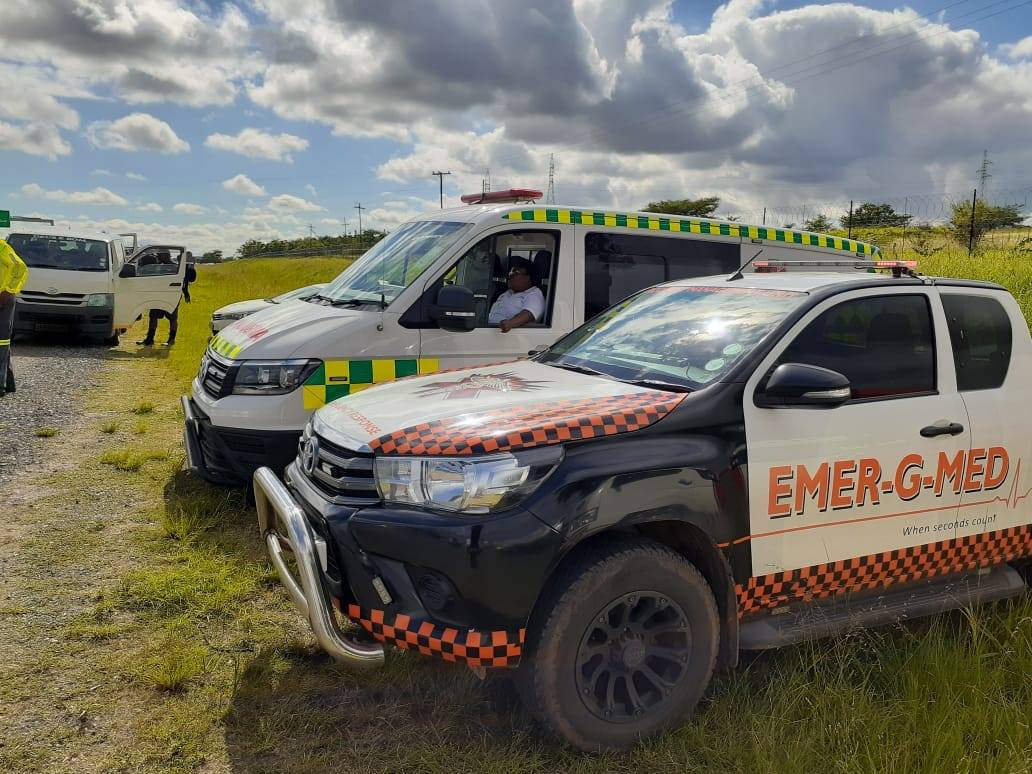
{"type": "Point", "coordinates": [272, 377]}
{"type": "Point", "coordinates": [465, 485]}
{"type": "Point", "coordinates": [100, 299]}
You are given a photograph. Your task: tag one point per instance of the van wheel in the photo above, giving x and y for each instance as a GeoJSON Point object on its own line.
{"type": "Point", "coordinates": [112, 340]}
{"type": "Point", "coordinates": [623, 647]}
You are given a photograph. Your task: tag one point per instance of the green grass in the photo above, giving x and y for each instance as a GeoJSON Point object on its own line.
{"type": "Point", "coordinates": [130, 460]}
{"type": "Point", "coordinates": [45, 432]}
{"type": "Point", "coordinates": [143, 407]}
{"type": "Point", "coordinates": [108, 428]}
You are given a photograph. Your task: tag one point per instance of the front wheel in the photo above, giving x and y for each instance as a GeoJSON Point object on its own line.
{"type": "Point", "coordinates": [623, 647]}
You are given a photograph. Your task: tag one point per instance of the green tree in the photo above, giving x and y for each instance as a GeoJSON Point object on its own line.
{"type": "Point", "coordinates": [868, 215]}
{"type": "Point", "coordinates": [699, 208]}
{"type": "Point", "coordinates": [820, 223]}
{"type": "Point", "coordinates": [212, 256]}
{"type": "Point", "coordinates": [987, 218]}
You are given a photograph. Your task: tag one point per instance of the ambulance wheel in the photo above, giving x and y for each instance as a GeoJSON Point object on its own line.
{"type": "Point", "coordinates": [623, 647]}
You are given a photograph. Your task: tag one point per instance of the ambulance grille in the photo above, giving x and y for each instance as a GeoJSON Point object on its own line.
{"type": "Point", "coordinates": [213, 375]}
{"type": "Point", "coordinates": [346, 477]}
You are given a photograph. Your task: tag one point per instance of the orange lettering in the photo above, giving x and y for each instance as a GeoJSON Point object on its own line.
{"type": "Point", "coordinates": [975, 468]}
{"type": "Point", "coordinates": [867, 481]}
{"type": "Point", "coordinates": [949, 470]}
{"type": "Point", "coordinates": [908, 490]}
{"type": "Point", "coordinates": [812, 486]}
{"type": "Point", "coordinates": [844, 482]}
{"type": "Point", "coordinates": [994, 480]}
{"type": "Point", "coordinates": [778, 491]}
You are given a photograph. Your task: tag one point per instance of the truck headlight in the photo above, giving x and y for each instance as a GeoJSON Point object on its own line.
{"type": "Point", "coordinates": [272, 377]}
{"type": "Point", "coordinates": [100, 299]}
{"type": "Point", "coordinates": [474, 486]}
{"type": "Point", "coordinates": [228, 315]}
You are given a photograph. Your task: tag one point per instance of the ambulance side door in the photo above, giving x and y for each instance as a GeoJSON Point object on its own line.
{"type": "Point", "coordinates": [151, 279]}
{"type": "Point", "coordinates": [879, 472]}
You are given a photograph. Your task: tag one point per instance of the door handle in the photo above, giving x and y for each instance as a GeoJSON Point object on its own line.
{"type": "Point", "coordinates": [174, 284]}
{"type": "Point", "coordinates": [948, 428]}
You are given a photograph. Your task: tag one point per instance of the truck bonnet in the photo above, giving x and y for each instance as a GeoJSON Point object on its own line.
{"type": "Point", "coordinates": [501, 407]}
{"type": "Point", "coordinates": [252, 336]}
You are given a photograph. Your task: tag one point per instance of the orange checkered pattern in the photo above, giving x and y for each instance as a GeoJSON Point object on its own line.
{"type": "Point", "coordinates": [538, 424]}
{"type": "Point", "coordinates": [881, 570]}
{"type": "Point", "coordinates": [486, 649]}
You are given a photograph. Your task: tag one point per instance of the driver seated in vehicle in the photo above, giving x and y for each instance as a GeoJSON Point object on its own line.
{"type": "Point", "coordinates": [521, 304]}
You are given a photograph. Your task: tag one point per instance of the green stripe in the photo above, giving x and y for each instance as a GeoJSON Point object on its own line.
{"type": "Point", "coordinates": [5, 342]}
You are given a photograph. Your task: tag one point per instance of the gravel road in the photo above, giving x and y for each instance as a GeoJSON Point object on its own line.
{"type": "Point", "coordinates": [51, 379]}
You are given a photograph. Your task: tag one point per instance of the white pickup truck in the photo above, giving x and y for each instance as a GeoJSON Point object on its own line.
{"type": "Point", "coordinates": [714, 464]}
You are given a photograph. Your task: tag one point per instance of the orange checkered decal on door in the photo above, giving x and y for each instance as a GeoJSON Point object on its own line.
{"type": "Point", "coordinates": [476, 648]}
{"type": "Point", "coordinates": [538, 424]}
{"type": "Point", "coordinates": [866, 573]}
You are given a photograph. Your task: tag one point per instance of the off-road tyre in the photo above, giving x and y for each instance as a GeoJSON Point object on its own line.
{"type": "Point", "coordinates": [583, 627]}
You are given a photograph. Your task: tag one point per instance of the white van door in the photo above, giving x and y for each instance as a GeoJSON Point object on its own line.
{"type": "Point", "coordinates": [546, 252]}
{"type": "Point", "coordinates": [151, 279]}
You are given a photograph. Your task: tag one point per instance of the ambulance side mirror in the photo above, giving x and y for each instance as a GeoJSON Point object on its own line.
{"type": "Point", "coordinates": [798, 384]}
{"type": "Point", "coordinates": [456, 308]}
{"type": "Point", "coordinates": [128, 270]}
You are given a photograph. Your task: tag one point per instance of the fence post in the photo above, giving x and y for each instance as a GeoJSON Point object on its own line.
{"type": "Point", "coordinates": [903, 236]}
{"type": "Point", "coordinates": [764, 221]}
{"type": "Point", "coordinates": [971, 228]}
{"type": "Point", "coordinates": [849, 230]}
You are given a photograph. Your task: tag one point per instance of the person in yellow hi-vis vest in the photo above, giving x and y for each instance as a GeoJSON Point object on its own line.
{"type": "Point", "coordinates": [13, 274]}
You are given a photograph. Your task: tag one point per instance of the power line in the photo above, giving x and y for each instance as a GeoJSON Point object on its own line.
{"type": "Point", "coordinates": [359, 207]}
{"type": "Point", "coordinates": [550, 196]}
{"type": "Point", "coordinates": [440, 178]}
{"type": "Point", "coordinates": [983, 173]}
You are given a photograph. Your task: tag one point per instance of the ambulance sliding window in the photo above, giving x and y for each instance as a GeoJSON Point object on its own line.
{"type": "Point", "coordinates": [882, 344]}
{"type": "Point", "coordinates": [980, 332]}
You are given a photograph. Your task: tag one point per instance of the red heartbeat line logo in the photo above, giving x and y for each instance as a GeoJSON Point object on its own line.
{"type": "Point", "coordinates": [1013, 498]}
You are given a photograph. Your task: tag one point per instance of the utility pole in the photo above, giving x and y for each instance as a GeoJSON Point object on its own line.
{"type": "Point", "coordinates": [311, 231]}
{"type": "Point", "coordinates": [983, 172]}
{"type": "Point", "coordinates": [359, 207]}
{"type": "Point", "coordinates": [440, 179]}
{"type": "Point", "coordinates": [550, 196]}
{"type": "Point", "coordinates": [971, 226]}
{"type": "Point", "coordinates": [485, 183]}
{"type": "Point", "coordinates": [849, 231]}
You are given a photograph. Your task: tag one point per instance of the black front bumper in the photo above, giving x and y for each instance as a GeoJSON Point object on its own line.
{"type": "Point", "coordinates": [482, 573]}
{"type": "Point", "coordinates": [230, 456]}
{"type": "Point", "coordinates": [51, 318]}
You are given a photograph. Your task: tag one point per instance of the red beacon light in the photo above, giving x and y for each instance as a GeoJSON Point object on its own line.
{"type": "Point", "coordinates": [510, 196]}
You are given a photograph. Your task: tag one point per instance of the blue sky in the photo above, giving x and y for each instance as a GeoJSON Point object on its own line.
{"type": "Point", "coordinates": [638, 100]}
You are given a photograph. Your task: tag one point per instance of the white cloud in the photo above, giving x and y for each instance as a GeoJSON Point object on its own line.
{"type": "Point", "coordinates": [1020, 50]}
{"type": "Point", "coordinates": [187, 208]}
{"type": "Point", "coordinates": [291, 203]}
{"type": "Point", "coordinates": [34, 139]}
{"type": "Point", "coordinates": [99, 196]}
{"type": "Point", "coordinates": [311, 189]}
{"type": "Point", "coordinates": [135, 176]}
{"type": "Point", "coordinates": [150, 207]}
{"type": "Point", "coordinates": [136, 132]}
{"type": "Point", "coordinates": [243, 185]}
{"type": "Point", "coordinates": [102, 173]}
{"type": "Point", "coordinates": [258, 144]}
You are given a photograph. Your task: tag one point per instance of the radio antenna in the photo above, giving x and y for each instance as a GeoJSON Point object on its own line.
{"type": "Point", "coordinates": [738, 274]}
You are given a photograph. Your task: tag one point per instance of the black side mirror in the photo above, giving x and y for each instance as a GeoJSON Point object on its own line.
{"type": "Point", "coordinates": [537, 350]}
{"type": "Point", "coordinates": [797, 384]}
{"type": "Point", "coordinates": [456, 308]}
{"type": "Point", "coordinates": [128, 270]}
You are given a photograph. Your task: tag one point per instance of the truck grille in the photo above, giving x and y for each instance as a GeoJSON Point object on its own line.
{"type": "Point", "coordinates": [344, 476]}
{"type": "Point", "coordinates": [213, 375]}
{"type": "Point", "coordinates": [59, 299]}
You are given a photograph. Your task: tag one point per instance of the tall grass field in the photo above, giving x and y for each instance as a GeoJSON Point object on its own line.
{"type": "Point", "coordinates": [236, 684]}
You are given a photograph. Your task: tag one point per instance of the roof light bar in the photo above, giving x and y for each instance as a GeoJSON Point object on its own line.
{"type": "Point", "coordinates": [511, 195]}
{"type": "Point", "coordinates": [898, 268]}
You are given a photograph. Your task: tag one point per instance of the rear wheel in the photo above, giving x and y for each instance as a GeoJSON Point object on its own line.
{"type": "Point", "coordinates": [623, 648]}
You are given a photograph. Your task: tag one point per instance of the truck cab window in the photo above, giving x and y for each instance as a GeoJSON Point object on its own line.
{"type": "Point", "coordinates": [980, 333]}
{"type": "Point", "coordinates": [618, 265]}
{"type": "Point", "coordinates": [485, 267]}
{"type": "Point", "coordinates": [882, 344]}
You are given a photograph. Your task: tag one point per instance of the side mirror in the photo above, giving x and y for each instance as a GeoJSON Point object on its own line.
{"type": "Point", "coordinates": [128, 270]}
{"type": "Point", "coordinates": [796, 384]}
{"type": "Point", "coordinates": [537, 350]}
{"type": "Point", "coordinates": [456, 308]}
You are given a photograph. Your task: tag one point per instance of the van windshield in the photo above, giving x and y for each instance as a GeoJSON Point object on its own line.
{"type": "Point", "coordinates": [43, 251]}
{"type": "Point", "coordinates": [394, 263]}
{"type": "Point", "coordinates": [678, 338]}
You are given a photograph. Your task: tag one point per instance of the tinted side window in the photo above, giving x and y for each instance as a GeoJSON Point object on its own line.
{"type": "Point", "coordinates": [882, 344]}
{"type": "Point", "coordinates": [617, 265]}
{"type": "Point", "coordinates": [980, 332]}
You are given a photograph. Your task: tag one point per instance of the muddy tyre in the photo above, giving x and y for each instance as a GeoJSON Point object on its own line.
{"type": "Point", "coordinates": [622, 648]}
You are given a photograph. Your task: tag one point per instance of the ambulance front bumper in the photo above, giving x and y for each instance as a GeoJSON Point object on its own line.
{"type": "Point", "coordinates": [283, 525]}
{"type": "Point", "coordinates": [230, 456]}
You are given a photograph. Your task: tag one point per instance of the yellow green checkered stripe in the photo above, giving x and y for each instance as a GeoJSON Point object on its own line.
{"type": "Point", "coordinates": [223, 347]}
{"type": "Point", "coordinates": [5, 342]}
{"type": "Point", "coordinates": [691, 226]}
{"type": "Point", "coordinates": [337, 378]}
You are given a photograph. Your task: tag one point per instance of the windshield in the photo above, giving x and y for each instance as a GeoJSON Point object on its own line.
{"type": "Point", "coordinates": [41, 251]}
{"type": "Point", "coordinates": [395, 262]}
{"type": "Point", "coordinates": [684, 337]}
{"type": "Point", "coordinates": [308, 290]}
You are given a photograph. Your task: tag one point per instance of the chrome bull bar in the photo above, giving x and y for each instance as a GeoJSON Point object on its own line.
{"type": "Point", "coordinates": [277, 510]}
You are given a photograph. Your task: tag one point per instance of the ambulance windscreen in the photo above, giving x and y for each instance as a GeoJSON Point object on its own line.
{"type": "Point", "coordinates": [687, 337]}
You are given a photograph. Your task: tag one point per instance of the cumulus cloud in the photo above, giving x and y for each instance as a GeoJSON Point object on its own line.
{"type": "Point", "coordinates": [186, 208]}
{"type": "Point", "coordinates": [258, 144]}
{"type": "Point", "coordinates": [311, 189]}
{"type": "Point", "coordinates": [99, 196]}
{"type": "Point", "coordinates": [291, 203]}
{"type": "Point", "coordinates": [135, 176]}
{"type": "Point", "coordinates": [243, 185]}
{"type": "Point", "coordinates": [34, 139]}
{"type": "Point", "coordinates": [1020, 50]}
{"type": "Point", "coordinates": [136, 132]}
{"type": "Point", "coordinates": [150, 207]}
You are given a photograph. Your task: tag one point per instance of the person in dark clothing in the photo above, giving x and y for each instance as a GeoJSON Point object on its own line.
{"type": "Point", "coordinates": [173, 317]}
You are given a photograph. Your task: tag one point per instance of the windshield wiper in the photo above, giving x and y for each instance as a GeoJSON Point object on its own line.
{"type": "Point", "coordinates": [657, 385]}
{"type": "Point", "coordinates": [579, 369]}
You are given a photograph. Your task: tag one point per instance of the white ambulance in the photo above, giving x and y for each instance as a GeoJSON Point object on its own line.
{"type": "Point", "coordinates": [419, 301]}
{"type": "Point", "coordinates": [83, 283]}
